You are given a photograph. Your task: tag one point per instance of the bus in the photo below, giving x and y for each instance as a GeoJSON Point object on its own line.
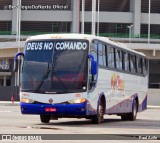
{"type": "Point", "coordinates": [81, 76]}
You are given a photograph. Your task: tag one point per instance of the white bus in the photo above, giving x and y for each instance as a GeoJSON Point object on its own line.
{"type": "Point", "coordinates": [81, 76]}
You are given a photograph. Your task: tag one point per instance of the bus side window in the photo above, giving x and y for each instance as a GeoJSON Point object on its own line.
{"type": "Point", "coordinates": [101, 54]}
{"type": "Point", "coordinates": [93, 79]}
{"type": "Point", "coordinates": [126, 61]}
{"type": "Point", "coordinates": [139, 65]}
{"type": "Point", "coordinates": [110, 56]}
{"type": "Point", "coordinates": [105, 46]}
{"type": "Point", "coordinates": [144, 64]}
{"type": "Point", "coordinates": [118, 54]}
{"type": "Point", "coordinates": [93, 51]}
{"type": "Point", "coordinates": [133, 63]}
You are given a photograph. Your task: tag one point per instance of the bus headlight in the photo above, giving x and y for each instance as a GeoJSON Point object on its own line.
{"type": "Point", "coordinates": [77, 101]}
{"type": "Point", "coordinates": [26, 100]}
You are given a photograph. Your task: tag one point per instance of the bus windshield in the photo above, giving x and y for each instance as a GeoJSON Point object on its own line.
{"type": "Point", "coordinates": [55, 66]}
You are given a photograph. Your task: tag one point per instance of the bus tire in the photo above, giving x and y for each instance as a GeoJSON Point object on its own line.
{"type": "Point", "coordinates": [124, 117]}
{"type": "Point", "coordinates": [97, 119]}
{"type": "Point", "coordinates": [45, 118]}
{"type": "Point", "coordinates": [132, 116]}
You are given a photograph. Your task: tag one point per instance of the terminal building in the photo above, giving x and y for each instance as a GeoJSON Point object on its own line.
{"type": "Point", "coordinates": [125, 21]}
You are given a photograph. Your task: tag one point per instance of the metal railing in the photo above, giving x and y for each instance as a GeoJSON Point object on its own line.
{"type": "Point", "coordinates": [116, 35]}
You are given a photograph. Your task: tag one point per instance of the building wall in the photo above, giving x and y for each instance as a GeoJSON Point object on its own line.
{"type": "Point", "coordinates": [111, 12]}
{"type": "Point", "coordinates": [8, 53]}
{"type": "Point", "coordinates": [153, 97]}
{"type": "Point", "coordinates": [115, 17]}
{"type": "Point", "coordinates": [7, 92]}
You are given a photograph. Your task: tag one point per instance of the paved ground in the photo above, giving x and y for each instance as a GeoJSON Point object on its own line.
{"type": "Point", "coordinates": [153, 99]}
{"type": "Point", "coordinates": [12, 122]}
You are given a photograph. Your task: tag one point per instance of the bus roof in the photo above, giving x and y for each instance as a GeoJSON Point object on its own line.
{"type": "Point", "coordinates": [83, 36]}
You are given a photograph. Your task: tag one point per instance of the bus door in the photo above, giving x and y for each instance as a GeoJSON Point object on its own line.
{"type": "Point", "coordinates": [117, 83]}
{"type": "Point", "coordinates": [92, 81]}
{"type": "Point", "coordinates": [93, 78]}
{"type": "Point", "coordinates": [103, 73]}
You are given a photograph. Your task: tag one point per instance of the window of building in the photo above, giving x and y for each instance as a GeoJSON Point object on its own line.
{"type": "Point", "coordinates": [1, 82]}
{"type": "Point", "coordinates": [8, 81]}
{"type": "Point", "coordinates": [118, 54]}
{"type": "Point", "coordinates": [110, 56]}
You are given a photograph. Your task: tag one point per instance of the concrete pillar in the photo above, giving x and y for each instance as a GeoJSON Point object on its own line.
{"type": "Point", "coordinates": [136, 17]}
{"type": "Point", "coordinates": [75, 16]}
{"type": "Point", "coordinates": [14, 17]}
{"type": "Point", "coordinates": [4, 80]}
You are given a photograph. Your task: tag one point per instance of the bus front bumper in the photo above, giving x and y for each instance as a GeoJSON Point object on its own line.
{"type": "Point", "coordinates": [54, 109]}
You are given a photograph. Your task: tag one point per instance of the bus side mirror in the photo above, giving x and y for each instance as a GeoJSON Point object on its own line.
{"type": "Point", "coordinates": [93, 65]}
{"type": "Point", "coordinates": [15, 69]}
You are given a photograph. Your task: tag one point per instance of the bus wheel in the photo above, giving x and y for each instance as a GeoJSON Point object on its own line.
{"type": "Point", "coordinates": [132, 116]}
{"type": "Point", "coordinates": [99, 117]}
{"type": "Point", "coordinates": [124, 117]}
{"type": "Point", "coordinates": [45, 118]}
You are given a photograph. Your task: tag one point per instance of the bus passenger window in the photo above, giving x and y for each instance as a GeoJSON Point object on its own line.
{"type": "Point", "coordinates": [144, 64]}
{"type": "Point", "coordinates": [93, 78]}
{"type": "Point", "coordinates": [101, 55]}
{"type": "Point", "coordinates": [94, 51]}
{"type": "Point", "coordinates": [139, 65]}
{"type": "Point", "coordinates": [126, 61]}
{"type": "Point", "coordinates": [133, 63]}
{"type": "Point", "coordinates": [104, 55]}
{"type": "Point", "coordinates": [118, 59]}
{"type": "Point", "coordinates": [110, 56]}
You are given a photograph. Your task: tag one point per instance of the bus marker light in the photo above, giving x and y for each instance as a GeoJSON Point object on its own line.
{"type": "Point", "coordinates": [26, 100]}
{"type": "Point", "coordinates": [78, 95]}
{"type": "Point", "coordinates": [25, 94]}
{"type": "Point", "coordinates": [50, 109]}
{"type": "Point", "coordinates": [50, 100]}
{"type": "Point", "coordinates": [82, 109]}
{"type": "Point", "coordinates": [81, 100]}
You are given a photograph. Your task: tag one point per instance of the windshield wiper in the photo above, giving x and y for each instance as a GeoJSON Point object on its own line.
{"type": "Point", "coordinates": [60, 81]}
{"type": "Point", "coordinates": [44, 77]}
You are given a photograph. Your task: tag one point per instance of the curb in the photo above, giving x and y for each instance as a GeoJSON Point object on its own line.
{"type": "Point", "coordinates": [9, 103]}
{"type": "Point", "coordinates": [153, 107]}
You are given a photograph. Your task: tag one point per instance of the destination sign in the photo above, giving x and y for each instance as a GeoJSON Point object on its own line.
{"type": "Point", "coordinates": [39, 46]}
{"type": "Point", "coordinates": [64, 45]}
